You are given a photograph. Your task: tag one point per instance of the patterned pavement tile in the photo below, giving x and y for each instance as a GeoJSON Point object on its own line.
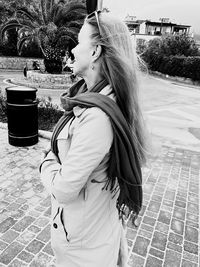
{"type": "Point", "coordinates": [167, 232]}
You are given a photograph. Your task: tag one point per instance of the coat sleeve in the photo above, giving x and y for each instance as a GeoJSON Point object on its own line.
{"type": "Point", "coordinates": [91, 141]}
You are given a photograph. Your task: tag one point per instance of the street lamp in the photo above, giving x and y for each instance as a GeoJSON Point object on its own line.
{"type": "Point", "coordinates": [99, 4]}
{"type": "Point", "coordinates": [93, 5]}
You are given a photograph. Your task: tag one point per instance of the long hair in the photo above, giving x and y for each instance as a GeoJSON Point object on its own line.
{"type": "Point", "coordinates": [119, 66]}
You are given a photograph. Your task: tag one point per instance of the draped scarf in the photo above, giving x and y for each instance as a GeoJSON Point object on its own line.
{"type": "Point", "coordinates": [124, 165]}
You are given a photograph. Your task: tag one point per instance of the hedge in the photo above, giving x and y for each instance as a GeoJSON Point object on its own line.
{"type": "Point", "coordinates": [181, 66]}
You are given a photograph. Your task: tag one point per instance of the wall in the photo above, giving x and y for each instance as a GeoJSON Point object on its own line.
{"type": "Point", "coordinates": [142, 28]}
{"type": "Point", "coordinates": [18, 63]}
{"type": "Point", "coordinates": [48, 79]}
{"type": "Point", "coordinates": [146, 37]}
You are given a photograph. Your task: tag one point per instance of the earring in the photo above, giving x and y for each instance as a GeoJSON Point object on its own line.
{"type": "Point", "coordinates": [92, 67]}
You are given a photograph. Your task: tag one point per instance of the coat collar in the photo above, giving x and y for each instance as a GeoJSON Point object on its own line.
{"type": "Point", "coordinates": [107, 90]}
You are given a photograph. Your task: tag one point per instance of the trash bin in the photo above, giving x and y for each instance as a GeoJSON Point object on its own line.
{"type": "Point", "coordinates": [22, 113]}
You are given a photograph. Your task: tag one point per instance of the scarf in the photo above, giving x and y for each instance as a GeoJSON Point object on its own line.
{"type": "Point", "coordinates": [124, 164]}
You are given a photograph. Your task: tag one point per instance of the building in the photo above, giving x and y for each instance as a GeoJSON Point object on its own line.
{"type": "Point", "coordinates": [147, 29]}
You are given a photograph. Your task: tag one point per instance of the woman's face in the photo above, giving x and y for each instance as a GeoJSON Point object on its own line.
{"type": "Point", "coordinates": [83, 51]}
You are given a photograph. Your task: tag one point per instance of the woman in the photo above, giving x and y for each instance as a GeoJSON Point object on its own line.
{"type": "Point", "coordinates": [93, 170]}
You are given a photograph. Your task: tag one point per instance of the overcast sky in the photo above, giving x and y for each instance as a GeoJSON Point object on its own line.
{"type": "Point", "coordinates": [185, 12]}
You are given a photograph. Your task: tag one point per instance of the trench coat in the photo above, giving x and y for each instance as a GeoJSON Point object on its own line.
{"type": "Point", "coordinates": [85, 226]}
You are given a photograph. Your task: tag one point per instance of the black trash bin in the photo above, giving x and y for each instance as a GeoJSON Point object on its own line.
{"type": "Point", "coordinates": [22, 115]}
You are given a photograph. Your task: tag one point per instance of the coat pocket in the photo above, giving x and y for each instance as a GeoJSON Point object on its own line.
{"type": "Point", "coordinates": [59, 235]}
{"type": "Point", "coordinates": [62, 222]}
{"type": "Point", "coordinates": [67, 228]}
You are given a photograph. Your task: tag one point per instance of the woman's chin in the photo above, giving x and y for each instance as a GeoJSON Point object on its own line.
{"type": "Point", "coordinates": [76, 71]}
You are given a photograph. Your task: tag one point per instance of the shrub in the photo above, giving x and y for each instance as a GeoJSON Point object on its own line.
{"type": "Point", "coordinates": [3, 116]}
{"type": "Point", "coordinates": [192, 67]}
{"type": "Point", "coordinates": [179, 44]}
{"type": "Point", "coordinates": [141, 46]}
{"type": "Point", "coordinates": [188, 67]}
{"type": "Point", "coordinates": [152, 55]}
{"type": "Point", "coordinates": [48, 114]}
{"type": "Point", "coordinates": [172, 45]}
{"type": "Point", "coordinates": [176, 55]}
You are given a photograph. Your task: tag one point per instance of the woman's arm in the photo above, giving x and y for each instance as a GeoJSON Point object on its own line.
{"type": "Point", "coordinates": [91, 141]}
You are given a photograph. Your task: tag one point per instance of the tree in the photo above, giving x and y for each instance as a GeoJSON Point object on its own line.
{"type": "Point", "coordinates": [54, 27]}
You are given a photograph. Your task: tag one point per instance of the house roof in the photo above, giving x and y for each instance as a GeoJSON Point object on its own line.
{"type": "Point", "coordinates": [131, 20]}
{"type": "Point", "coordinates": [156, 23]}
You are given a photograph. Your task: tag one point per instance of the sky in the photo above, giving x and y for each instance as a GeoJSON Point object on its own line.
{"type": "Point", "coordinates": [185, 12]}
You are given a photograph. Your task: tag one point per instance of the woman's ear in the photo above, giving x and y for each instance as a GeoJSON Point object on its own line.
{"type": "Point", "coordinates": [96, 52]}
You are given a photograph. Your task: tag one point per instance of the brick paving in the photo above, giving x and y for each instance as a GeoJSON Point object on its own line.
{"type": "Point", "coordinates": [168, 226]}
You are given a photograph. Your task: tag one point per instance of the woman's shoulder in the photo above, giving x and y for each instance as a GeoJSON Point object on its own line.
{"type": "Point", "coordinates": [93, 117]}
{"type": "Point", "coordinates": [92, 113]}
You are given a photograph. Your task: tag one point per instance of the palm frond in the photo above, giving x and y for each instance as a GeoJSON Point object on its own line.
{"type": "Point", "coordinates": [74, 24]}
{"type": "Point", "coordinates": [21, 43]}
{"type": "Point", "coordinates": [24, 12]}
{"type": "Point", "coordinates": [74, 6]}
{"type": "Point", "coordinates": [66, 40]}
{"type": "Point", "coordinates": [57, 23]}
{"type": "Point", "coordinates": [49, 4]}
{"type": "Point", "coordinates": [8, 26]}
{"type": "Point", "coordinates": [72, 16]}
{"type": "Point", "coordinates": [49, 7]}
{"type": "Point", "coordinates": [70, 11]}
{"type": "Point", "coordinates": [44, 12]}
{"type": "Point", "coordinates": [67, 32]}
{"type": "Point", "coordinates": [26, 40]}
{"type": "Point", "coordinates": [42, 38]}
{"type": "Point", "coordinates": [54, 12]}
{"type": "Point", "coordinates": [11, 20]}
{"type": "Point", "coordinates": [25, 31]}
{"type": "Point", "coordinates": [29, 24]}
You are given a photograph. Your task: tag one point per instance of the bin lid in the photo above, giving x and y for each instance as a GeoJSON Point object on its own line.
{"type": "Point", "coordinates": [21, 89]}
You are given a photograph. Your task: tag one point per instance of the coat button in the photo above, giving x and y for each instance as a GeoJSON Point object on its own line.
{"type": "Point", "coordinates": [55, 225]}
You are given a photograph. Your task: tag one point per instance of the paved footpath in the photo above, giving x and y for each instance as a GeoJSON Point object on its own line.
{"type": "Point", "coordinates": [168, 226]}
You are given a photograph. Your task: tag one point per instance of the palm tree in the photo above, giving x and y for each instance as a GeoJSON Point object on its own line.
{"type": "Point", "coordinates": [7, 10]}
{"type": "Point", "coordinates": [54, 27]}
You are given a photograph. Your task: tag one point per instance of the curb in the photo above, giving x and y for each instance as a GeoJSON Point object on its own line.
{"type": "Point", "coordinates": [41, 133]}
{"type": "Point", "coordinates": [47, 135]}
{"type": "Point", "coordinates": [188, 81]}
{"type": "Point", "coordinates": [13, 82]}
{"type": "Point", "coordinates": [44, 134]}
